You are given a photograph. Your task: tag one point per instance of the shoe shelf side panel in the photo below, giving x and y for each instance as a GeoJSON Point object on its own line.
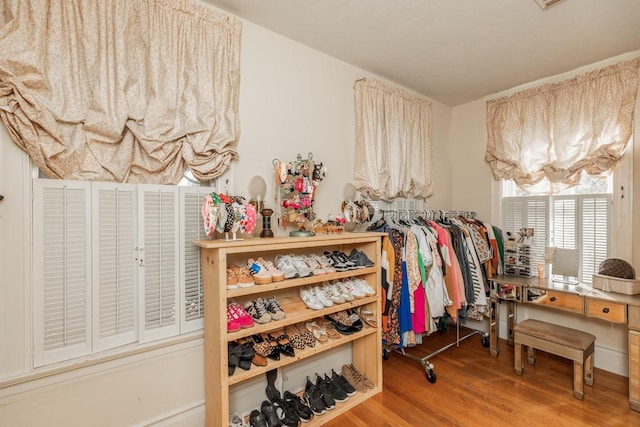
{"type": "Point", "coordinates": [213, 262]}
{"type": "Point", "coordinates": [241, 375]}
{"type": "Point", "coordinates": [367, 352]}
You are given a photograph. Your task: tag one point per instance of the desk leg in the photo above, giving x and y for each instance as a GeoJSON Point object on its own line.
{"type": "Point", "coordinates": [511, 320]}
{"type": "Point", "coordinates": [634, 370]}
{"type": "Point", "coordinates": [494, 321]}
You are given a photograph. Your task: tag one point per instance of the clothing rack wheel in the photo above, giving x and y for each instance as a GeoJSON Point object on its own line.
{"type": "Point", "coordinates": [428, 366]}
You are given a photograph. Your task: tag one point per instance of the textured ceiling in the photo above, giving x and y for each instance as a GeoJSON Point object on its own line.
{"type": "Point", "coordinates": [453, 51]}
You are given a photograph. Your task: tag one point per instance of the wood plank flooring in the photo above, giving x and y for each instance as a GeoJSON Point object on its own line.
{"type": "Point", "coordinates": [474, 389]}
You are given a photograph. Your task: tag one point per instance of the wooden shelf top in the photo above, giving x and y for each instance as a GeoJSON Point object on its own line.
{"type": "Point", "coordinates": [318, 240]}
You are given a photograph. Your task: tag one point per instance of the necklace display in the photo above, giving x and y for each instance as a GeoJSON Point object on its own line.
{"type": "Point", "coordinates": [296, 185]}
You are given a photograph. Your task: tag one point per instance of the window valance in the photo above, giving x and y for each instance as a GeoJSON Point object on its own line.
{"type": "Point", "coordinates": [393, 143]}
{"type": "Point", "coordinates": [126, 91]}
{"type": "Point", "coordinates": [556, 131]}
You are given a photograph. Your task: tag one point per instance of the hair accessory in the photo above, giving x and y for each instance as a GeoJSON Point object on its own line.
{"type": "Point", "coordinates": [215, 198]}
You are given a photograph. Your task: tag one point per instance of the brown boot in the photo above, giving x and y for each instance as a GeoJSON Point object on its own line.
{"type": "Point", "coordinates": [366, 381]}
{"type": "Point", "coordinates": [352, 379]}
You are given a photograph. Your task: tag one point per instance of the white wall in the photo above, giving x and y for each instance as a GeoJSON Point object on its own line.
{"type": "Point", "coordinates": [293, 100]}
{"type": "Point", "coordinates": [472, 179]}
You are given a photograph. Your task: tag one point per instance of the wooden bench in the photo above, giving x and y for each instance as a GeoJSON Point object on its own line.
{"type": "Point", "coordinates": [561, 341]}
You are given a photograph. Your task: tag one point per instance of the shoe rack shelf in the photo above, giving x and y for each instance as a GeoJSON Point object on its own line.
{"type": "Point", "coordinates": [366, 343]}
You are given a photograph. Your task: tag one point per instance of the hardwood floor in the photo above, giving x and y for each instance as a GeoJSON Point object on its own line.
{"type": "Point", "coordinates": [474, 389]}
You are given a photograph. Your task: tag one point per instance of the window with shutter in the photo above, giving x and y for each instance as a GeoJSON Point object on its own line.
{"type": "Point", "coordinates": [158, 253]}
{"type": "Point", "coordinates": [595, 233]}
{"type": "Point", "coordinates": [573, 221]}
{"type": "Point", "coordinates": [528, 212]}
{"type": "Point", "coordinates": [62, 277]}
{"type": "Point", "coordinates": [114, 265]}
{"type": "Point", "coordinates": [191, 200]}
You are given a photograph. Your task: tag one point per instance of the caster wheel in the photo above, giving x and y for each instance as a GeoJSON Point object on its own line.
{"type": "Point", "coordinates": [431, 376]}
{"type": "Point", "coordinates": [385, 354]}
{"type": "Point", "coordinates": [485, 341]}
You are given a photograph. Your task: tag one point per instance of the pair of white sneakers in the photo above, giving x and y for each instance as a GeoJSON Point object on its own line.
{"type": "Point", "coordinates": [293, 266]}
{"type": "Point", "coordinates": [315, 297]}
{"type": "Point", "coordinates": [359, 288]}
{"type": "Point", "coordinates": [318, 297]}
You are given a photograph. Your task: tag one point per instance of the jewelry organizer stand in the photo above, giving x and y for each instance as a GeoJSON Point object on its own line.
{"type": "Point", "coordinates": [296, 184]}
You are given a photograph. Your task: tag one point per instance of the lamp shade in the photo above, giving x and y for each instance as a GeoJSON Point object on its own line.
{"type": "Point", "coordinates": [257, 188]}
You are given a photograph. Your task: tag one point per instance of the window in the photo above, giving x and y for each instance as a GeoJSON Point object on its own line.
{"type": "Point", "coordinates": [114, 266]}
{"type": "Point", "coordinates": [578, 218]}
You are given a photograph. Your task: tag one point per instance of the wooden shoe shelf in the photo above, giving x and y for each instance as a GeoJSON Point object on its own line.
{"type": "Point", "coordinates": [366, 344]}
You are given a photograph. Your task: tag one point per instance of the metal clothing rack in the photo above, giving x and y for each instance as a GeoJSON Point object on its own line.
{"type": "Point", "coordinates": [401, 212]}
{"type": "Point", "coordinates": [428, 366]}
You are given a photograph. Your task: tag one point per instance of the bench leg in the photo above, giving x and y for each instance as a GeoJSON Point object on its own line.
{"type": "Point", "coordinates": [517, 356]}
{"type": "Point", "coordinates": [578, 380]}
{"type": "Point", "coordinates": [531, 355]}
{"type": "Point", "coordinates": [588, 370]}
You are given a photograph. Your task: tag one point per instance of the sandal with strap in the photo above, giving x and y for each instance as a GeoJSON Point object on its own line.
{"type": "Point", "coordinates": [367, 317]}
{"type": "Point", "coordinates": [332, 333]}
{"type": "Point", "coordinates": [319, 333]}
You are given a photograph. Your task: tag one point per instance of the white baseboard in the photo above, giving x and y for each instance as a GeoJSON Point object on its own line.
{"type": "Point", "coordinates": [187, 416]}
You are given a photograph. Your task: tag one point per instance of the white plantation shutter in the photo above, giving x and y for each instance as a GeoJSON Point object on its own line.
{"type": "Point", "coordinates": [595, 232]}
{"type": "Point", "coordinates": [538, 219]}
{"type": "Point", "coordinates": [192, 296]}
{"type": "Point", "coordinates": [513, 209]}
{"type": "Point", "coordinates": [62, 278]}
{"type": "Point", "coordinates": [565, 222]}
{"type": "Point", "coordinates": [577, 221]}
{"type": "Point", "coordinates": [115, 268]}
{"type": "Point", "coordinates": [158, 252]}
{"type": "Point", "coordinates": [528, 212]}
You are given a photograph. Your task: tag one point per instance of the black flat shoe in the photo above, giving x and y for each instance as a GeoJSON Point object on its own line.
{"type": "Point", "coordinates": [235, 351]}
{"type": "Point", "coordinates": [257, 419]}
{"type": "Point", "coordinates": [269, 411]}
{"type": "Point", "coordinates": [245, 364]}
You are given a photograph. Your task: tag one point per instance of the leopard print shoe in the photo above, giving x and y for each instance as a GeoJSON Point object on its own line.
{"type": "Point", "coordinates": [294, 336]}
{"type": "Point", "coordinates": [307, 336]}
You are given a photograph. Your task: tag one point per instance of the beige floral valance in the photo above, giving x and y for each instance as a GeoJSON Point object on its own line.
{"type": "Point", "coordinates": [126, 91]}
{"type": "Point", "coordinates": [393, 143]}
{"type": "Point", "coordinates": [556, 131]}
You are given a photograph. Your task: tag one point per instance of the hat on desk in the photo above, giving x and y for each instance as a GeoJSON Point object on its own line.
{"type": "Point", "coordinates": [615, 267]}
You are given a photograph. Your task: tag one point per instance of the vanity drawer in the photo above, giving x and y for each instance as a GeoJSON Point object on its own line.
{"type": "Point", "coordinates": [607, 310]}
{"type": "Point", "coordinates": [562, 301]}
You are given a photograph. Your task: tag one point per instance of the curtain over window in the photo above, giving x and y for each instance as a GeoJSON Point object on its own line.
{"type": "Point", "coordinates": [126, 91]}
{"type": "Point", "coordinates": [557, 130]}
{"type": "Point", "coordinates": [393, 143]}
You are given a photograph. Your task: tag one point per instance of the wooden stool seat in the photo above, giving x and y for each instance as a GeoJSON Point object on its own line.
{"type": "Point", "coordinates": [561, 341]}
